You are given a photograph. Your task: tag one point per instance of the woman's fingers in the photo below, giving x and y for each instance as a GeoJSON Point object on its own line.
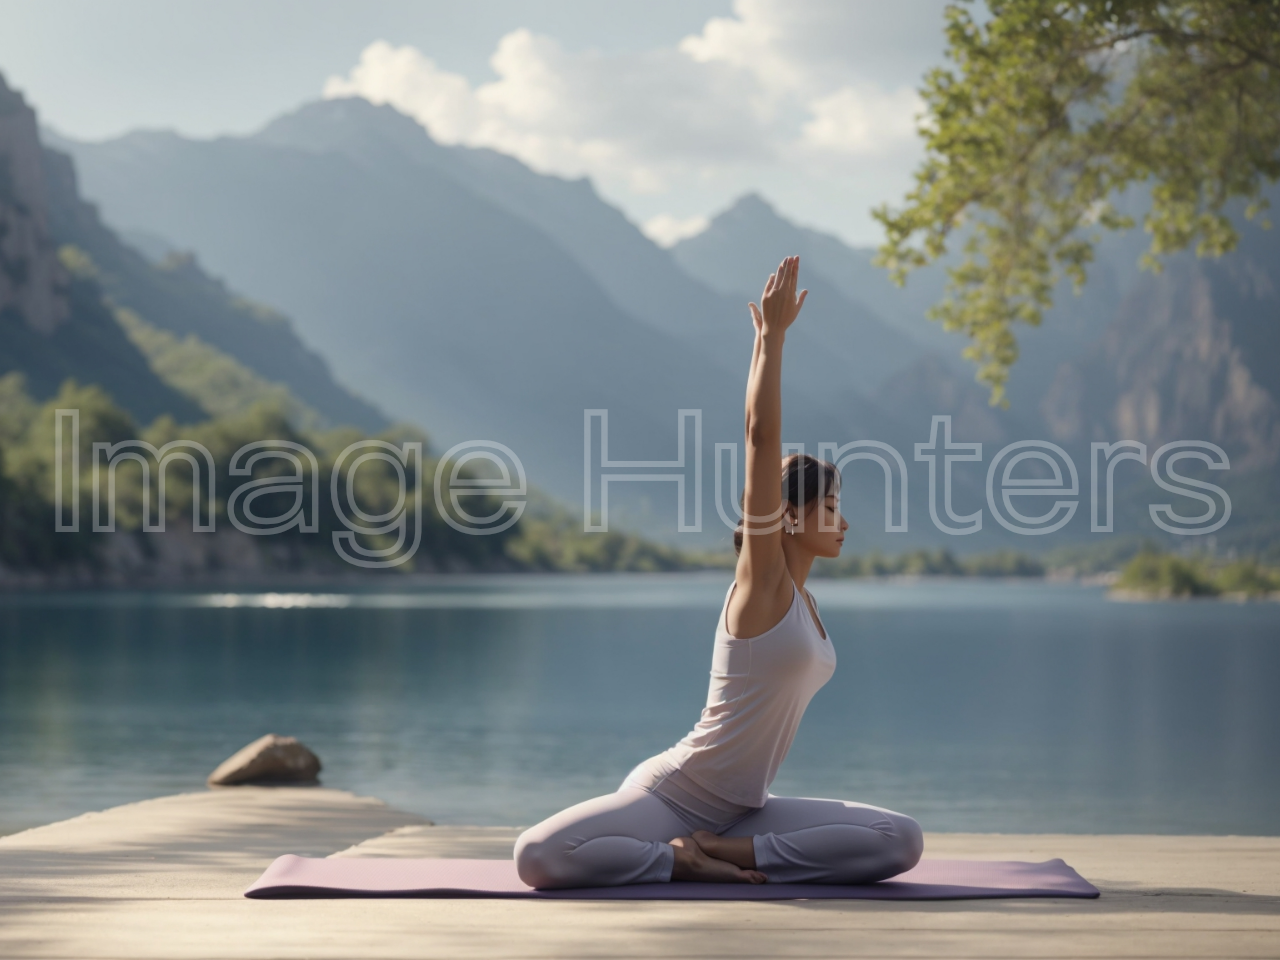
{"type": "Point", "coordinates": [756, 319]}
{"type": "Point", "coordinates": [784, 281]}
{"type": "Point", "coordinates": [800, 300]}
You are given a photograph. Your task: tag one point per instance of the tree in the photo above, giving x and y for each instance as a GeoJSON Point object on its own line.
{"type": "Point", "coordinates": [1050, 110]}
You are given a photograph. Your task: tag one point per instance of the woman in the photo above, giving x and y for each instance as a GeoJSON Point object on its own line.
{"type": "Point", "coordinates": [702, 810]}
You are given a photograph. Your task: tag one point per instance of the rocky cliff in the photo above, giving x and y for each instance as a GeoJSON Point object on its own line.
{"type": "Point", "coordinates": [33, 284]}
{"type": "Point", "coordinates": [1191, 354]}
{"type": "Point", "coordinates": [55, 326]}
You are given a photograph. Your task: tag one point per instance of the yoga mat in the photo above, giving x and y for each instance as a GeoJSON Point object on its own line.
{"type": "Point", "coordinates": [291, 876]}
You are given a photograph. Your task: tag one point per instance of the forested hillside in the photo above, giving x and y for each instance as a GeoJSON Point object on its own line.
{"type": "Point", "coordinates": [162, 351]}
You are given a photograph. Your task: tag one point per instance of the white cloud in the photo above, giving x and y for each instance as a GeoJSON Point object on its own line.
{"type": "Point", "coordinates": [636, 120]}
{"type": "Point", "coordinates": [405, 78]}
{"type": "Point", "coordinates": [862, 122]}
{"type": "Point", "coordinates": [781, 96]}
{"type": "Point", "coordinates": [666, 230]}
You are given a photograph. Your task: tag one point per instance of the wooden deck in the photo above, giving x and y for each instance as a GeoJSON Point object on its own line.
{"type": "Point", "coordinates": [163, 878]}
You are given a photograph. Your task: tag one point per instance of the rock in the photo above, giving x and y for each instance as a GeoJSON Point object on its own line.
{"type": "Point", "coordinates": [269, 759]}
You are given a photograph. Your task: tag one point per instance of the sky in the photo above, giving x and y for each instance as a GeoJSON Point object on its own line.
{"type": "Point", "coordinates": [673, 108]}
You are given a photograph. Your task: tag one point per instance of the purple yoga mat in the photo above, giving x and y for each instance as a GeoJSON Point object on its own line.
{"type": "Point", "coordinates": [291, 876]}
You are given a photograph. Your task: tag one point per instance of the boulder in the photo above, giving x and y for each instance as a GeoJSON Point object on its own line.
{"type": "Point", "coordinates": [269, 759]}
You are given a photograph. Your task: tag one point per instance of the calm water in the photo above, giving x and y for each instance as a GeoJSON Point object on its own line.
{"type": "Point", "coordinates": [973, 706]}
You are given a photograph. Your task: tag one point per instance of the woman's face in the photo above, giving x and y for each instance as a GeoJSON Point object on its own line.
{"type": "Point", "coordinates": [822, 532]}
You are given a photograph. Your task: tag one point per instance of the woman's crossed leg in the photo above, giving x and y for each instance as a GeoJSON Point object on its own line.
{"type": "Point", "coordinates": [630, 836]}
{"type": "Point", "coordinates": [805, 840]}
{"type": "Point", "coordinates": [626, 837]}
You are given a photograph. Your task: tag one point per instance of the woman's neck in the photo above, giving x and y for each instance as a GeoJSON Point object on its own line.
{"type": "Point", "coordinates": [799, 561]}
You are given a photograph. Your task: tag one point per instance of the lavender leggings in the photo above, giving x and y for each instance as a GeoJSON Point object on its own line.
{"type": "Point", "coordinates": [624, 838]}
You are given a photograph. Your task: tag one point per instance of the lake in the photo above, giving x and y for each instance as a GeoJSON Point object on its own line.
{"type": "Point", "coordinates": [971, 705]}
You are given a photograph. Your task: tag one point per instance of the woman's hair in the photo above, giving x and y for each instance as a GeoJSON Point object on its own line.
{"type": "Point", "coordinates": [804, 479]}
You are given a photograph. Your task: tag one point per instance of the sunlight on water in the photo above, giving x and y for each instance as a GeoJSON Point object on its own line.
{"type": "Point", "coordinates": [273, 601]}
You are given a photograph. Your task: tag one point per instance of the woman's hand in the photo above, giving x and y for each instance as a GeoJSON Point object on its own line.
{"type": "Point", "coordinates": [779, 304]}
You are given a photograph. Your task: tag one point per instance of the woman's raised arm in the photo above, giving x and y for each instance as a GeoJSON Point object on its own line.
{"type": "Point", "coordinates": [763, 591]}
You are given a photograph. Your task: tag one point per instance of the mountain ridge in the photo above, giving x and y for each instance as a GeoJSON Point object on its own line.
{"type": "Point", "coordinates": [304, 191]}
{"type": "Point", "coordinates": [257, 211]}
{"type": "Point", "coordinates": [179, 296]}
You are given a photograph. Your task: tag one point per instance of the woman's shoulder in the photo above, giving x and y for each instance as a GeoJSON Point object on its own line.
{"type": "Point", "coordinates": [767, 616]}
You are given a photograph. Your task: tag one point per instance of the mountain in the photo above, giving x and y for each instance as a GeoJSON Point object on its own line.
{"type": "Point", "coordinates": [177, 296]}
{"type": "Point", "coordinates": [163, 350]}
{"type": "Point", "coordinates": [751, 236]}
{"type": "Point", "coordinates": [642, 279]}
{"type": "Point", "coordinates": [746, 238]}
{"type": "Point", "coordinates": [745, 243]}
{"type": "Point", "coordinates": [54, 325]}
{"type": "Point", "coordinates": [455, 306]}
{"type": "Point", "coordinates": [638, 276]}
{"type": "Point", "coordinates": [918, 368]}
{"type": "Point", "coordinates": [462, 290]}
{"type": "Point", "coordinates": [1192, 353]}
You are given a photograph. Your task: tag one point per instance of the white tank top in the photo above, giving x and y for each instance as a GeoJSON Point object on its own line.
{"type": "Point", "coordinates": [759, 690]}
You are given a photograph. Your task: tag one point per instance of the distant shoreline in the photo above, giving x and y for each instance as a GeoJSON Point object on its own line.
{"type": "Point", "coordinates": [310, 582]}
{"type": "Point", "coordinates": [1124, 595]}
{"type": "Point", "coordinates": [359, 581]}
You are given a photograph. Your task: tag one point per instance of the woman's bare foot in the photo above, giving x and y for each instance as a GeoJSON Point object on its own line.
{"type": "Point", "coordinates": [692, 863]}
{"type": "Point", "coordinates": [740, 851]}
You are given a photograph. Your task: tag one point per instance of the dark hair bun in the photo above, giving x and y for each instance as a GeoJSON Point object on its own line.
{"type": "Point", "coordinates": [804, 479]}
